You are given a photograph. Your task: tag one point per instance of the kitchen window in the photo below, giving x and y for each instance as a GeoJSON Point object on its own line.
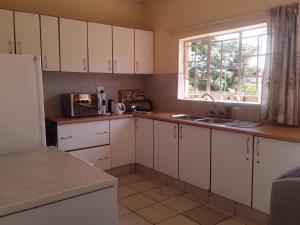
{"type": "Point", "coordinates": [228, 65]}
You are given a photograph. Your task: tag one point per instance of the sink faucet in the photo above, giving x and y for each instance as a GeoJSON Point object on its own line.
{"type": "Point", "coordinates": [215, 111]}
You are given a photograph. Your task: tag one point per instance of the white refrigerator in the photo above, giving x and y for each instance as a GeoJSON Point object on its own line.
{"type": "Point", "coordinates": [22, 119]}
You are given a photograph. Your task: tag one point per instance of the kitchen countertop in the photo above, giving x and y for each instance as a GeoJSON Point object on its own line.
{"type": "Point", "coordinates": [68, 120]}
{"type": "Point", "coordinates": [34, 178]}
{"type": "Point", "coordinates": [267, 130]}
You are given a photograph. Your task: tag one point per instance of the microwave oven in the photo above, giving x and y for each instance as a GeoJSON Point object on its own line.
{"type": "Point", "coordinates": [79, 105]}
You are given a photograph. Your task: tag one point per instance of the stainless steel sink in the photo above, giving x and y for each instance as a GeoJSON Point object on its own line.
{"type": "Point", "coordinates": [215, 120]}
{"type": "Point", "coordinates": [187, 117]}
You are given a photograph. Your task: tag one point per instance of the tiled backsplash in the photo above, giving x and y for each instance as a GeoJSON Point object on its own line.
{"type": "Point", "coordinates": [161, 89]}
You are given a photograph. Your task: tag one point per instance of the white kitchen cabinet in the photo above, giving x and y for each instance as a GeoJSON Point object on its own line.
{"type": "Point", "coordinates": [123, 50]}
{"type": "Point", "coordinates": [27, 28]}
{"type": "Point", "coordinates": [166, 148]}
{"type": "Point", "coordinates": [97, 156]}
{"type": "Point", "coordinates": [73, 45]}
{"type": "Point", "coordinates": [100, 48]}
{"type": "Point", "coordinates": [50, 43]}
{"type": "Point", "coordinates": [122, 140]}
{"type": "Point", "coordinates": [143, 52]}
{"type": "Point", "coordinates": [144, 142]}
{"type": "Point", "coordinates": [7, 39]}
{"type": "Point", "coordinates": [98, 207]}
{"type": "Point", "coordinates": [194, 155]}
{"type": "Point", "coordinates": [231, 171]}
{"type": "Point", "coordinates": [272, 158]}
{"type": "Point", "coordinates": [82, 135]}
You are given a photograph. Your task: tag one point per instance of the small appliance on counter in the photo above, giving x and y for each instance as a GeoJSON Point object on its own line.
{"type": "Point", "coordinates": [138, 105]}
{"type": "Point", "coordinates": [120, 108]}
{"type": "Point", "coordinates": [79, 105]}
{"type": "Point", "coordinates": [101, 101]}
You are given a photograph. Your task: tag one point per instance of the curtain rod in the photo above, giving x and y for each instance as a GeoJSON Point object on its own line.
{"type": "Point", "coordinates": [215, 22]}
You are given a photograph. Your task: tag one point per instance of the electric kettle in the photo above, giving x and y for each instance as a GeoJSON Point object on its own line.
{"type": "Point", "coordinates": [120, 108]}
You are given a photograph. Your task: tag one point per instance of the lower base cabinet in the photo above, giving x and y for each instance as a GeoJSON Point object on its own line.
{"type": "Point", "coordinates": [272, 158]}
{"type": "Point", "coordinates": [98, 156]}
{"type": "Point", "coordinates": [194, 155]}
{"type": "Point", "coordinates": [99, 207]}
{"type": "Point", "coordinates": [231, 171]}
{"type": "Point", "coordinates": [166, 148]}
{"type": "Point", "coordinates": [122, 142]}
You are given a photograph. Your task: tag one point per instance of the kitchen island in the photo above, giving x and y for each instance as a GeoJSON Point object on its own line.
{"type": "Point", "coordinates": [48, 186]}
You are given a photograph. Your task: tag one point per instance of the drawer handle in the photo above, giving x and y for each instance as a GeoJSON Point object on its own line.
{"type": "Point", "coordinates": [103, 132]}
{"type": "Point", "coordinates": [248, 148]}
{"type": "Point", "coordinates": [65, 138]}
{"type": "Point", "coordinates": [104, 158]}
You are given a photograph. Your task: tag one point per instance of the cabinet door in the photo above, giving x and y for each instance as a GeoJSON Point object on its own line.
{"type": "Point", "coordinates": [144, 142]}
{"type": "Point", "coordinates": [231, 172]}
{"type": "Point", "coordinates": [100, 48]}
{"type": "Point", "coordinates": [7, 40]}
{"type": "Point", "coordinates": [27, 28]}
{"type": "Point", "coordinates": [143, 52]}
{"type": "Point", "coordinates": [73, 45]}
{"type": "Point", "coordinates": [272, 158]}
{"type": "Point", "coordinates": [122, 141]}
{"type": "Point", "coordinates": [194, 155]}
{"type": "Point", "coordinates": [166, 148]}
{"type": "Point", "coordinates": [123, 50]}
{"type": "Point", "coordinates": [50, 43]}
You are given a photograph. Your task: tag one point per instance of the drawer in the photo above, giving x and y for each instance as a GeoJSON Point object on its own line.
{"type": "Point", "coordinates": [82, 135]}
{"type": "Point", "coordinates": [98, 156]}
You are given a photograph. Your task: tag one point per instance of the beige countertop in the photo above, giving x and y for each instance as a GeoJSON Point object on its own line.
{"type": "Point", "coordinates": [34, 178]}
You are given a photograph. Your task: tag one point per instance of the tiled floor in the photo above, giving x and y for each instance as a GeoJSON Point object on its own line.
{"type": "Point", "coordinates": [144, 201]}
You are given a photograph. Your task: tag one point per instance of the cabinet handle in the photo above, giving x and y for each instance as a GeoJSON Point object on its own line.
{"type": "Point", "coordinates": [109, 65]}
{"type": "Point", "coordinates": [20, 47]}
{"type": "Point", "coordinates": [257, 148]}
{"type": "Point", "coordinates": [10, 47]}
{"type": "Point", "coordinates": [175, 131]}
{"type": "Point", "coordinates": [137, 67]}
{"type": "Point", "coordinates": [65, 138]}
{"type": "Point", "coordinates": [136, 123]}
{"type": "Point", "coordinates": [180, 132]}
{"type": "Point", "coordinates": [248, 148]}
{"type": "Point", "coordinates": [45, 62]}
{"type": "Point", "coordinates": [103, 132]}
{"type": "Point", "coordinates": [104, 158]}
{"type": "Point", "coordinates": [84, 64]}
{"type": "Point", "coordinates": [115, 66]}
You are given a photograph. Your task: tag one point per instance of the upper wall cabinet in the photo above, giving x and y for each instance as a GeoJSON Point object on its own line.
{"type": "Point", "coordinates": [123, 50]}
{"type": "Point", "coordinates": [73, 45]}
{"type": "Point", "coordinates": [7, 40]}
{"type": "Point", "coordinates": [100, 48]}
{"type": "Point", "coordinates": [143, 52]}
{"type": "Point", "coordinates": [50, 43]}
{"type": "Point", "coordinates": [27, 28]}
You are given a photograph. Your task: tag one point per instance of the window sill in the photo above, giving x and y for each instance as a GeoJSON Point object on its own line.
{"type": "Point", "coordinates": [220, 101]}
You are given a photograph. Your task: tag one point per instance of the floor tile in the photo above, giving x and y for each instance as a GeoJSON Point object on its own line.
{"type": "Point", "coordinates": [156, 195]}
{"type": "Point", "coordinates": [180, 204]}
{"type": "Point", "coordinates": [231, 222]}
{"type": "Point", "coordinates": [132, 219]}
{"type": "Point", "coordinates": [136, 202]}
{"type": "Point", "coordinates": [141, 186]}
{"type": "Point", "coordinates": [205, 215]}
{"type": "Point", "coordinates": [194, 198]}
{"type": "Point", "coordinates": [131, 178]}
{"type": "Point", "coordinates": [124, 191]}
{"type": "Point", "coordinates": [156, 213]}
{"type": "Point", "coordinates": [178, 220]}
{"type": "Point", "coordinates": [122, 210]}
{"type": "Point", "coordinates": [169, 191]}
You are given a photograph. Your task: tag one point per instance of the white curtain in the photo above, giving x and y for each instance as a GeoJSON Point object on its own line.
{"type": "Point", "coordinates": [280, 93]}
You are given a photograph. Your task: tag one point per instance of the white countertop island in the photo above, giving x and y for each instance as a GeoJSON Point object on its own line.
{"type": "Point", "coordinates": [39, 178]}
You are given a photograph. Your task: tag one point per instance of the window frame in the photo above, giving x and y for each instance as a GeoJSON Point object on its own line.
{"type": "Point", "coordinates": [184, 78]}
